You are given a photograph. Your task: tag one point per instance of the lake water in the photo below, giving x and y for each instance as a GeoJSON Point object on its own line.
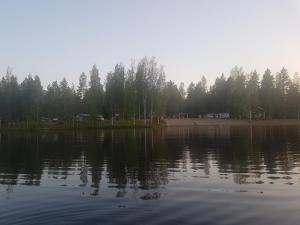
{"type": "Point", "coordinates": [208, 175]}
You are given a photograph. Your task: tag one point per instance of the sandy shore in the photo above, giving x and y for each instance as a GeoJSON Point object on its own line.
{"type": "Point", "coordinates": [222, 122]}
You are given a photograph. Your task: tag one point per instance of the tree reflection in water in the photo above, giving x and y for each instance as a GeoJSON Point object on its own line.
{"type": "Point", "coordinates": [148, 159]}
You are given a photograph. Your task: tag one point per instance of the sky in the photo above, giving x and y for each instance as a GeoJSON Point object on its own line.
{"type": "Point", "coordinates": [190, 38]}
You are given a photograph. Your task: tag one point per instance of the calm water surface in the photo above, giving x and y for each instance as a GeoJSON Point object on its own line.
{"type": "Point", "coordinates": [229, 175]}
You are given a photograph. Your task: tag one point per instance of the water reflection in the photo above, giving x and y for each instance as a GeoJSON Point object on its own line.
{"type": "Point", "coordinates": [149, 159]}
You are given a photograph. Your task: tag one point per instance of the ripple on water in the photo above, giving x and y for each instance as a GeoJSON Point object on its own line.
{"type": "Point", "coordinates": [174, 176]}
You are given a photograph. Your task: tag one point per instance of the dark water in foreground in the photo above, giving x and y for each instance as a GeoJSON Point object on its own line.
{"type": "Point", "coordinates": [234, 175]}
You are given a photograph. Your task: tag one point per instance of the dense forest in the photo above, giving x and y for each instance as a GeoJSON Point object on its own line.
{"type": "Point", "coordinates": [141, 91]}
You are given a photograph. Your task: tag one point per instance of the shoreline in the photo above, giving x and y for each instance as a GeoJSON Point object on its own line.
{"type": "Point", "coordinates": [69, 126]}
{"type": "Point", "coordinates": [187, 122]}
{"type": "Point", "coordinates": [194, 122]}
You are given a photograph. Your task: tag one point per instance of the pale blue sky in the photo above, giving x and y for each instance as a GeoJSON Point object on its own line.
{"type": "Point", "coordinates": [191, 38]}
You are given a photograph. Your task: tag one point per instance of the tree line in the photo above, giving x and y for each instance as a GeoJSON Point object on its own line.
{"type": "Point", "coordinates": [141, 91]}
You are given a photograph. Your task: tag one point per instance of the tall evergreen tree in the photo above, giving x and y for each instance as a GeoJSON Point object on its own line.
{"type": "Point", "coordinates": [252, 89]}
{"type": "Point", "coordinates": [115, 90]}
{"type": "Point", "coordinates": [32, 96]}
{"type": "Point", "coordinates": [130, 94]}
{"type": "Point", "coordinates": [238, 94]}
{"type": "Point", "coordinates": [267, 93]}
{"type": "Point", "coordinates": [10, 97]}
{"type": "Point", "coordinates": [282, 85]}
{"type": "Point", "coordinates": [94, 95]}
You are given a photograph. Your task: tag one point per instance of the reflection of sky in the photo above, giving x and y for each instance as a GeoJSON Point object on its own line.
{"type": "Point", "coordinates": [191, 38]}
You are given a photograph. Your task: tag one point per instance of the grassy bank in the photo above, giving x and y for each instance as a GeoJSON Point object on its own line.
{"type": "Point", "coordinates": [76, 125]}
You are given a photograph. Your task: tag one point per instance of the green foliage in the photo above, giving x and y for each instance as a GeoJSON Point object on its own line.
{"type": "Point", "coordinates": [31, 97]}
{"type": "Point", "coordinates": [94, 95]}
{"type": "Point", "coordinates": [197, 98]}
{"type": "Point", "coordinates": [9, 96]}
{"type": "Point", "coordinates": [267, 93]}
{"type": "Point", "coordinates": [141, 93]}
{"type": "Point", "coordinates": [173, 98]}
{"type": "Point", "coordinates": [252, 89]}
{"type": "Point", "coordinates": [115, 90]}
